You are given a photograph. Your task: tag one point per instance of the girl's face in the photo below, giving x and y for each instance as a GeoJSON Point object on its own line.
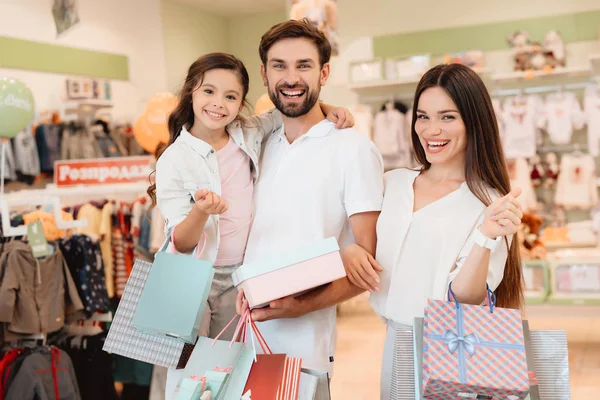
{"type": "Point", "coordinates": [218, 99]}
{"type": "Point", "coordinates": [440, 128]}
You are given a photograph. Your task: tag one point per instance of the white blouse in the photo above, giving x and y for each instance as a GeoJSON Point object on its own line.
{"type": "Point", "coordinates": [421, 252]}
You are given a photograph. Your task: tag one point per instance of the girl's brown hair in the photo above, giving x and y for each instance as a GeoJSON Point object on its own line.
{"type": "Point", "coordinates": [485, 167]}
{"type": "Point", "coordinates": [183, 115]}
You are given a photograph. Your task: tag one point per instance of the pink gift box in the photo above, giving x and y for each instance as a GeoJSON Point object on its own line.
{"type": "Point", "coordinates": [291, 273]}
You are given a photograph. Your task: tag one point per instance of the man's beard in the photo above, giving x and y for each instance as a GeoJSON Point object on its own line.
{"type": "Point", "coordinates": [294, 110]}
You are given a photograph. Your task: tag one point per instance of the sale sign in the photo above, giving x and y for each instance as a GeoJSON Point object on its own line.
{"type": "Point", "coordinates": [102, 171]}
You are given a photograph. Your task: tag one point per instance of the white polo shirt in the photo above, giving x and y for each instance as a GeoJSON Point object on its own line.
{"type": "Point", "coordinates": [306, 192]}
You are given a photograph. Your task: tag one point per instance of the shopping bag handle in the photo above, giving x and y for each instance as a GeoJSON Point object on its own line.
{"type": "Point", "coordinates": [490, 298]}
{"type": "Point", "coordinates": [197, 253]}
{"type": "Point", "coordinates": [246, 327]}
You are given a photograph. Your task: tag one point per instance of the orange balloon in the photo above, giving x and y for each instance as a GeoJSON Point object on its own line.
{"type": "Point", "coordinates": [151, 127]}
{"type": "Point", "coordinates": [158, 109]}
{"type": "Point", "coordinates": [144, 136]}
{"type": "Point", "coordinates": [263, 104]}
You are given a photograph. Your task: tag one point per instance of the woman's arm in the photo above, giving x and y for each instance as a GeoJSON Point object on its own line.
{"type": "Point", "coordinates": [478, 265]}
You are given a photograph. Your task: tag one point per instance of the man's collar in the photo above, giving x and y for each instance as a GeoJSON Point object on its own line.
{"type": "Point", "coordinates": [320, 129]}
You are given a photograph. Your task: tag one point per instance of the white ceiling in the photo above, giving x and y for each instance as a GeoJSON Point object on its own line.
{"type": "Point", "coordinates": [235, 7]}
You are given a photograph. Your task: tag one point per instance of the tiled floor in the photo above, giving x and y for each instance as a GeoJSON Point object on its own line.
{"type": "Point", "coordinates": [360, 345]}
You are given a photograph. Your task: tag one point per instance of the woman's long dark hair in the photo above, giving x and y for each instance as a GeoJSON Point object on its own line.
{"type": "Point", "coordinates": [183, 115]}
{"type": "Point", "coordinates": [484, 167]}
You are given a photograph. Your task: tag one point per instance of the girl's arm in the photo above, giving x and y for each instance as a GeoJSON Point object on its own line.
{"type": "Point", "coordinates": [178, 206]}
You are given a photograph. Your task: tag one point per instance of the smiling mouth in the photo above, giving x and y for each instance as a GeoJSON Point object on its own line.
{"type": "Point", "coordinates": [438, 144]}
{"type": "Point", "coordinates": [292, 94]}
{"type": "Point", "coordinates": [214, 115]}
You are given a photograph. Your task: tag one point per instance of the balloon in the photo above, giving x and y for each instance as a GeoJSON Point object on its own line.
{"type": "Point", "coordinates": [16, 107]}
{"type": "Point", "coordinates": [158, 109]}
{"type": "Point", "coordinates": [263, 104]}
{"type": "Point", "coordinates": [144, 136]}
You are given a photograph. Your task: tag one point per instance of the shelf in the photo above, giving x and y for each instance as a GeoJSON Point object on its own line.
{"type": "Point", "coordinates": [494, 81]}
{"type": "Point", "coordinates": [547, 310]}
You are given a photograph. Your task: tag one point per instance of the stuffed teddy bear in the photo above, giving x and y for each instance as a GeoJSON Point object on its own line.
{"type": "Point", "coordinates": [554, 50]}
{"type": "Point", "coordinates": [532, 248]}
{"type": "Point", "coordinates": [521, 50]}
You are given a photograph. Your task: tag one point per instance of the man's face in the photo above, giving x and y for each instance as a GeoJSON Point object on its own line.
{"type": "Point", "coordinates": [294, 76]}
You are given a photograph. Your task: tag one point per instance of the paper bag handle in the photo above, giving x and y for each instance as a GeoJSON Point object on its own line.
{"type": "Point", "coordinates": [490, 298]}
{"type": "Point", "coordinates": [244, 327]}
{"type": "Point", "coordinates": [197, 253]}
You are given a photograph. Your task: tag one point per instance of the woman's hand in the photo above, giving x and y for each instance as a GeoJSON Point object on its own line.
{"type": "Point", "coordinates": [361, 267]}
{"type": "Point", "coordinates": [341, 117]}
{"type": "Point", "coordinates": [503, 217]}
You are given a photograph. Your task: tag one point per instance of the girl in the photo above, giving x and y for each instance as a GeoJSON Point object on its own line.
{"type": "Point", "coordinates": [453, 219]}
{"type": "Point", "coordinates": [205, 177]}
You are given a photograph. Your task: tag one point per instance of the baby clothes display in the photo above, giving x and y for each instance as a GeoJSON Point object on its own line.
{"type": "Point", "coordinates": [391, 135]}
{"type": "Point", "coordinates": [520, 176]}
{"type": "Point", "coordinates": [561, 114]}
{"type": "Point", "coordinates": [576, 185]}
{"type": "Point", "coordinates": [591, 107]}
{"type": "Point", "coordinates": [522, 117]}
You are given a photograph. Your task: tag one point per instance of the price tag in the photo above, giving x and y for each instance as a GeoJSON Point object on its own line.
{"type": "Point", "coordinates": [37, 239]}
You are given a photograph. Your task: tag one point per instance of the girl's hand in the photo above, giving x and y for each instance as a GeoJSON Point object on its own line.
{"type": "Point", "coordinates": [209, 202]}
{"type": "Point", "coordinates": [503, 217]}
{"type": "Point", "coordinates": [361, 267]}
{"type": "Point", "coordinates": [342, 117]}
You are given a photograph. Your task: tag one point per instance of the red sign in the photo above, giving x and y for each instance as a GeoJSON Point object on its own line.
{"type": "Point", "coordinates": [102, 171]}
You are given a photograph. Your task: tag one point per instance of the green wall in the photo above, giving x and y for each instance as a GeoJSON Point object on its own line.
{"type": "Point", "coordinates": [574, 27]}
{"type": "Point", "coordinates": [45, 57]}
{"type": "Point", "coordinates": [244, 37]}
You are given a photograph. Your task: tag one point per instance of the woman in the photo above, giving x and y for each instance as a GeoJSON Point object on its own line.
{"type": "Point", "coordinates": [452, 219]}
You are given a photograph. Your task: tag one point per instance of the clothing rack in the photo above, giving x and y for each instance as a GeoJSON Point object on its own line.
{"type": "Point", "coordinates": [562, 147]}
{"type": "Point", "coordinates": [540, 89]}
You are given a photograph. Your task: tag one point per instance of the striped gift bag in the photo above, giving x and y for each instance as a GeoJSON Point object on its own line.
{"type": "Point", "coordinates": [290, 382]}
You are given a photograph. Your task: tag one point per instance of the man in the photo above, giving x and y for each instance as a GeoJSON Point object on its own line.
{"type": "Point", "coordinates": [316, 182]}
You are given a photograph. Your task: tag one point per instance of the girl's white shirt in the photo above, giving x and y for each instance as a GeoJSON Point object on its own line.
{"type": "Point", "coordinates": [190, 164]}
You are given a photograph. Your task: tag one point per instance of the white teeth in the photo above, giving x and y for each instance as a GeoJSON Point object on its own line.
{"type": "Point", "coordinates": [214, 115]}
{"type": "Point", "coordinates": [294, 93]}
{"type": "Point", "coordinates": [437, 143]}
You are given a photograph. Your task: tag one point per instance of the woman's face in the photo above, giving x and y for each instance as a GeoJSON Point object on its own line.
{"type": "Point", "coordinates": [440, 128]}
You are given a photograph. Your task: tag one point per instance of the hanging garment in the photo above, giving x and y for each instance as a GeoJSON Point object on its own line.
{"type": "Point", "coordinates": [562, 114]}
{"type": "Point", "coordinates": [48, 141]}
{"type": "Point", "coordinates": [498, 112]}
{"type": "Point", "coordinates": [591, 106]}
{"type": "Point", "coordinates": [106, 145]}
{"type": "Point", "coordinates": [27, 161]}
{"type": "Point", "coordinates": [576, 186]}
{"type": "Point", "coordinates": [51, 232]}
{"type": "Point", "coordinates": [122, 246]}
{"type": "Point", "coordinates": [84, 258]}
{"type": "Point", "coordinates": [93, 367]}
{"type": "Point", "coordinates": [522, 117]}
{"type": "Point", "coordinates": [10, 173]}
{"type": "Point", "coordinates": [520, 177]}
{"type": "Point", "coordinates": [35, 295]}
{"type": "Point", "coordinates": [390, 135]}
{"type": "Point", "coordinates": [99, 224]}
{"type": "Point", "coordinates": [45, 374]}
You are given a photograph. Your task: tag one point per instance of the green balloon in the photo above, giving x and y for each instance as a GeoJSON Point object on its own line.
{"type": "Point", "coordinates": [16, 107]}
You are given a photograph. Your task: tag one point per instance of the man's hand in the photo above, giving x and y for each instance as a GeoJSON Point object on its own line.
{"type": "Point", "coordinates": [287, 307]}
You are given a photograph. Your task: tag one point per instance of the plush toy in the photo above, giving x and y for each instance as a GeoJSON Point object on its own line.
{"type": "Point", "coordinates": [537, 60]}
{"type": "Point", "coordinates": [554, 50]}
{"type": "Point", "coordinates": [521, 50]}
{"type": "Point", "coordinates": [551, 170]}
{"type": "Point", "coordinates": [537, 171]}
{"type": "Point", "coordinates": [532, 248]}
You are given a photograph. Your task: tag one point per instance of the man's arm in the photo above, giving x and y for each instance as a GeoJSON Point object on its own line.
{"type": "Point", "coordinates": [363, 227]}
